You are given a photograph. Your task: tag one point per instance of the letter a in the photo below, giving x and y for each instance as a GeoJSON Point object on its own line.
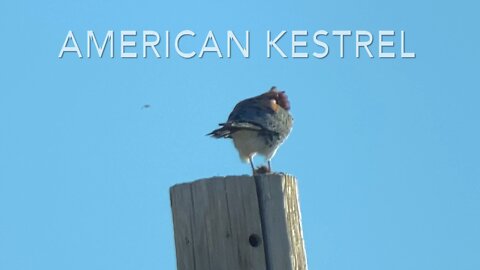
{"type": "Point", "coordinates": [70, 49]}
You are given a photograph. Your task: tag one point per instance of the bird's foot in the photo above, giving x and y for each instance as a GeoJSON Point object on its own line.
{"type": "Point", "coordinates": [262, 170]}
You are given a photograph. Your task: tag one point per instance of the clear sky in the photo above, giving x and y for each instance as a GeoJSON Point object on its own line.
{"type": "Point", "coordinates": [386, 151]}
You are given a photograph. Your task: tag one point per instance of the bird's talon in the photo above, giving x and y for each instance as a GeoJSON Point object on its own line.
{"type": "Point", "coordinates": [262, 170]}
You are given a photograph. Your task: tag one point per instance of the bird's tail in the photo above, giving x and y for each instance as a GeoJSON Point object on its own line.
{"type": "Point", "coordinates": [224, 132]}
{"type": "Point", "coordinates": [229, 128]}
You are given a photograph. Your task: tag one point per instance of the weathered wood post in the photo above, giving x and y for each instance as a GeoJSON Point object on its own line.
{"type": "Point", "coordinates": [238, 222]}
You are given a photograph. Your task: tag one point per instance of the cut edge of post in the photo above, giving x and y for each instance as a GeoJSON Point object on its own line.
{"type": "Point", "coordinates": [285, 191]}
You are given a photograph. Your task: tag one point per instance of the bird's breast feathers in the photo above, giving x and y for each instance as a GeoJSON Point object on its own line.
{"type": "Point", "coordinates": [251, 142]}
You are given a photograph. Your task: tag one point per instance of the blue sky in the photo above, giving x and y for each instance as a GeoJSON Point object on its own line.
{"type": "Point", "coordinates": [385, 150]}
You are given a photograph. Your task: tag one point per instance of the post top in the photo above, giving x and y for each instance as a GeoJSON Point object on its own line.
{"type": "Point", "coordinates": [228, 177]}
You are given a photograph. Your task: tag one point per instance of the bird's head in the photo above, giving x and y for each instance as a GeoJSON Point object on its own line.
{"type": "Point", "coordinates": [277, 98]}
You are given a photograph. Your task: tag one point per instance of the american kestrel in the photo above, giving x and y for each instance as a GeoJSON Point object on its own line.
{"type": "Point", "coordinates": [258, 125]}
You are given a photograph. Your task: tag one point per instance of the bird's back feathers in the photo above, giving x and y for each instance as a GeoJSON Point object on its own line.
{"type": "Point", "coordinates": [267, 112]}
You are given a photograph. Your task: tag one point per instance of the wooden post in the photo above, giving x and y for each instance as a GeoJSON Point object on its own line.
{"type": "Point", "coordinates": [238, 222]}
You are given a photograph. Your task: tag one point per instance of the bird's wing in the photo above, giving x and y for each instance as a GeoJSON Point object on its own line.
{"type": "Point", "coordinates": [242, 125]}
{"type": "Point", "coordinates": [261, 113]}
{"type": "Point", "coordinates": [250, 111]}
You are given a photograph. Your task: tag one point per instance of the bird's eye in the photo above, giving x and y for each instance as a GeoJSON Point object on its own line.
{"type": "Point", "coordinates": [274, 105]}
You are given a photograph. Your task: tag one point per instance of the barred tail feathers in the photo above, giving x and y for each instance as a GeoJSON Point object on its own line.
{"type": "Point", "coordinates": [229, 128]}
{"type": "Point", "coordinates": [223, 132]}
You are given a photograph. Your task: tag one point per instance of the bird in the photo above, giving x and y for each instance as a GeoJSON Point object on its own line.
{"type": "Point", "coordinates": [258, 125]}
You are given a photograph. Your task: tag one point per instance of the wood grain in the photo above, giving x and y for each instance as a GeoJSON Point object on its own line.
{"type": "Point", "coordinates": [218, 223]}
